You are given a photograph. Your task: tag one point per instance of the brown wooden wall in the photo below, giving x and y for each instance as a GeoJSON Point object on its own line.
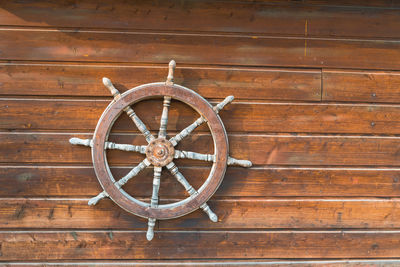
{"type": "Point", "coordinates": [317, 89]}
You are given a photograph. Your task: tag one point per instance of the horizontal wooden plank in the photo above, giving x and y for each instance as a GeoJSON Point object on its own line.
{"type": "Point", "coordinates": [165, 15]}
{"type": "Point", "coordinates": [59, 181]}
{"type": "Point", "coordinates": [239, 213]}
{"type": "Point", "coordinates": [50, 245]}
{"type": "Point", "coordinates": [356, 21]}
{"type": "Point", "coordinates": [211, 82]}
{"type": "Point", "coordinates": [361, 86]}
{"type": "Point", "coordinates": [235, 16]}
{"type": "Point", "coordinates": [355, 3]}
{"type": "Point", "coordinates": [155, 47]}
{"type": "Point", "coordinates": [270, 117]}
{"type": "Point", "coordinates": [59, 213]}
{"type": "Point", "coordinates": [217, 262]}
{"type": "Point", "coordinates": [293, 213]}
{"type": "Point", "coordinates": [260, 149]}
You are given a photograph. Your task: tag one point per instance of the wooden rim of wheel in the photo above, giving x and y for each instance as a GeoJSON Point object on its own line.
{"type": "Point", "coordinates": [186, 96]}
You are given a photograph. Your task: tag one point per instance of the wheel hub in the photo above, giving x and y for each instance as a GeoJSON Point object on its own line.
{"type": "Point", "coordinates": [160, 152]}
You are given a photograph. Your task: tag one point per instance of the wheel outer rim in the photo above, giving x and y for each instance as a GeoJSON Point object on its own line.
{"type": "Point", "coordinates": [149, 91]}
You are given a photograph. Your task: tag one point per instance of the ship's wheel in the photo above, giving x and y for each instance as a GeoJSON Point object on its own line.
{"type": "Point", "coordinates": [160, 151]}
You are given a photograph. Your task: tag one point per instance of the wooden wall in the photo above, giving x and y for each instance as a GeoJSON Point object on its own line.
{"type": "Point", "coordinates": [317, 111]}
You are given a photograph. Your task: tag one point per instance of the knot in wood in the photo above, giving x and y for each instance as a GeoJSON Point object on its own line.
{"type": "Point", "coordinates": [160, 152]}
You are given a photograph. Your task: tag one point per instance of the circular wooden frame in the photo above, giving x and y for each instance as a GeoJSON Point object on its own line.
{"type": "Point", "coordinates": [123, 199]}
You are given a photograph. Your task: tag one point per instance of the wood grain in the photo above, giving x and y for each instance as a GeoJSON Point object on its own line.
{"type": "Point", "coordinates": [193, 48]}
{"type": "Point", "coordinates": [294, 213]}
{"type": "Point", "coordinates": [27, 114]}
{"type": "Point", "coordinates": [316, 111]}
{"type": "Point", "coordinates": [75, 181]}
{"type": "Point", "coordinates": [218, 262]}
{"type": "Point", "coordinates": [71, 244]}
{"type": "Point", "coordinates": [260, 149]}
{"type": "Point", "coordinates": [210, 82]}
{"type": "Point", "coordinates": [221, 16]}
{"type": "Point", "coordinates": [360, 86]}
{"type": "Point", "coordinates": [355, 3]}
{"type": "Point", "coordinates": [59, 213]}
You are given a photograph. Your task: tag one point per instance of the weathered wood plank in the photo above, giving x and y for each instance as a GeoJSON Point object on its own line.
{"type": "Point", "coordinates": [294, 213]}
{"type": "Point", "coordinates": [220, 46]}
{"type": "Point", "coordinates": [49, 245]}
{"type": "Point", "coordinates": [260, 149]}
{"type": "Point", "coordinates": [189, 48]}
{"type": "Point", "coordinates": [239, 116]}
{"type": "Point", "coordinates": [281, 18]}
{"type": "Point", "coordinates": [211, 82]}
{"type": "Point", "coordinates": [60, 213]}
{"type": "Point", "coordinates": [59, 181]}
{"type": "Point", "coordinates": [165, 15]}
{"type": "Point", "coordinates": [355, 3]}
{"type": "Point", "coordinates": [217, 262]}
{"type": "Point", "coordinates": [361, 86]}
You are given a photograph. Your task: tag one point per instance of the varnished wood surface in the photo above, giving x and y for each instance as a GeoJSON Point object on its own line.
{"type": "Point", "coordinates": [81, 182]}
{"type": "Point", "coordinates": [360, 86]}
{"type": "Point", "coordinates": [253, 50]}
{"type": "Point", "coordinates": [51, 245]}
{"type": "Point", "coordinates": [211, 82]}
{"type": "Point", "coordinates": [238, 213]}
{"type": "Point", "coordinates": [220, 262]}
{"type": "Point", "coordinates": [260, 149]}
{"type": "Point", "coordinates": [316, 111]}
{"type": "Point", "coordinates": [326, 19]}
{"type": "Point", "coordinates": [27, 114]}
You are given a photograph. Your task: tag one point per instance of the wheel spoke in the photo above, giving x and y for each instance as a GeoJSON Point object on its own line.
{"type": "Point", "coordinates": [171, 69]}
{"type": "Point", "coordinates": [163, 134]}
{"type": "Point", "coordinates": [125, 147]}
{"type": "Point", "coordinates": [185, 132]}
{"type": "Point", "coordinates": [179, 154]}
{"type": "Point", "coordinates": [154, 201]}
{"type": "Point", "coordinates": [109, 145]}
{"type": "Point", "coordinates": [82, 142]}
{"type": "Point", "coordinates": [192, 192]}
{"type": "Point", "coordinates": [138, 122]}
{"type": "Point", "coordinates": [150, 229]}
{"type": "Point", "coordinates": [239, 162]}
{"type": "Point", "coordinates": [142, 165]}
{"type": "Point", "coordinates": [164, 117]}
{"type": "Point", "coordinates": [156, 186]}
